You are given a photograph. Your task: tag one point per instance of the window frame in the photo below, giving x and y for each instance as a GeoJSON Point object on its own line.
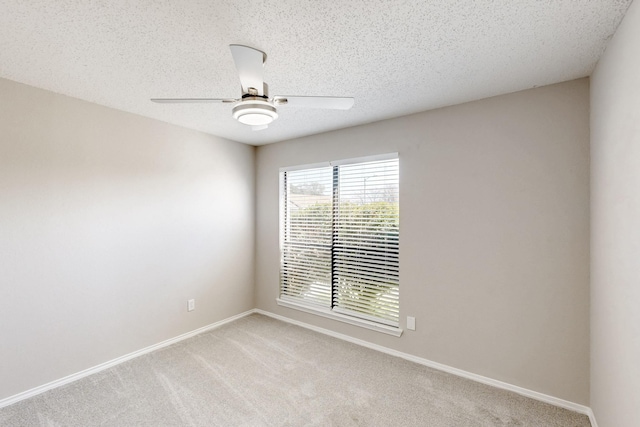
{"type": "Point", "coordinates": [309, 307]}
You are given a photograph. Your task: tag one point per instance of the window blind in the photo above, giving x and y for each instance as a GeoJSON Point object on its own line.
{"type": "Point", "coordinates": [340, 238]}
{"type": "Point", "coordinates": [366, 237]}
{"type": "Point", "coordinates": [306, 244]}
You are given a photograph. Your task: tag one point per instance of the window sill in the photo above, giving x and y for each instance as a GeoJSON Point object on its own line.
{"type": "Point", "coordinates": [324, 312]}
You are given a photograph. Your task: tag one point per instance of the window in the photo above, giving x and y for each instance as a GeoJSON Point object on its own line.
{"type": "Point", "coordinates": [339, 236]}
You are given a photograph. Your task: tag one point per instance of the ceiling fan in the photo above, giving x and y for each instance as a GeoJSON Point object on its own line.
{"type": "Point", "coordinates": [255, 108]}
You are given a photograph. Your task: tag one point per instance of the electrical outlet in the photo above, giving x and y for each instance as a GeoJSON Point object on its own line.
{"type": "Point", "coordinates": [411, 323]}
{"type": "Point", "coordinates": [191, 305]}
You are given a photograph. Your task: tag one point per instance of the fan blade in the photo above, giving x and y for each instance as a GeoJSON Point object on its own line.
{"type": "Point", "coordinates": [249, 63]}
{"type": "Point", "coordinates": [191, 100]}
{"type": "Point", "coordinates": [330, 102]}
{"type": "Point", "coordinates": [259, 127]}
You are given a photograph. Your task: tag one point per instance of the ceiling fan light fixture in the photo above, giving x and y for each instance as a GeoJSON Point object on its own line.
{"type": "Point", "coordinates": [255, 113]}
{"type": "Point", "coordinates": [255, 108]}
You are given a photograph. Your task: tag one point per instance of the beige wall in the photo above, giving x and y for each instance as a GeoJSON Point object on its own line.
{"type": "Point", "coordinates": [615, 228]}
{"type": "Point", "coordinates": [109, 222]}
{"type": "Point", "coordinates": [494, 204]}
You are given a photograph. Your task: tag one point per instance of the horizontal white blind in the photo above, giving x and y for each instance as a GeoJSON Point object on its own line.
{"type": "Point", "coordinates": [366, 241]}
{"type": "Point", "coordinates": [340, 236]}
{"type": "Point", "coordinates": [307, 235]}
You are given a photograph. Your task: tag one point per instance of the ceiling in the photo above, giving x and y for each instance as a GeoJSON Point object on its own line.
{"type": "Point", "coordinates": [394, 57]}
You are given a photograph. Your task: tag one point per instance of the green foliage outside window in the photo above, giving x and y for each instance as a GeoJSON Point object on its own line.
{"type": "Point", "coordinates": [365, 231]}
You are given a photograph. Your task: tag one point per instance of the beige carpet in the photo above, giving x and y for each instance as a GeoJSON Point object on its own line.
{"type": "Point", "coordinates": [258, 371]}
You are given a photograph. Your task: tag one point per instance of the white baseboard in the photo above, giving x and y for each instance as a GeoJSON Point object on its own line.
{"type": "Point", "coordinates": [74, 377]}
{"type": "Point", "coordinates": [445, 368]}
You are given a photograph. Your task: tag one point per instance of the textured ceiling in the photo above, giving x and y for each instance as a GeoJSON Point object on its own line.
{"type": "Point", "coordinates": [393, 57]}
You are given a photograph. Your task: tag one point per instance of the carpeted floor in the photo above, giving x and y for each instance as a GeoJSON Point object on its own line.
{"type": "Point", "coordinates": [258, 371]}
